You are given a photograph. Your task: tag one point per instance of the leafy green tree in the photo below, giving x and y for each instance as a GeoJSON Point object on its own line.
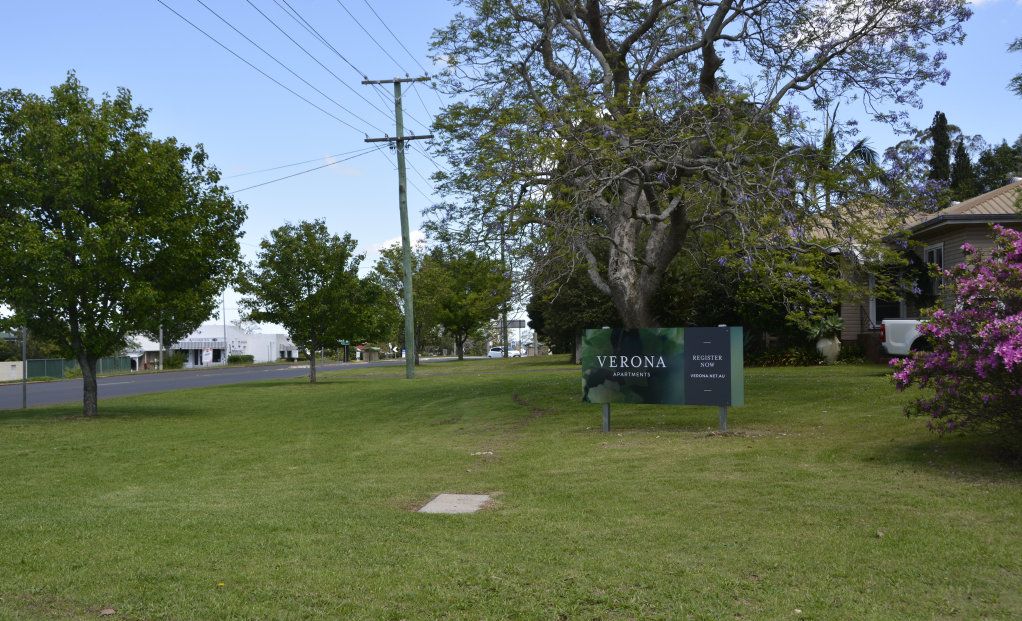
{"type": "Point", "coordinates": [306, 279]}
{"type": "Point", "coordinates": [997, 165]}
{"type": "Point", "coordinates": [389, 274]}
{"type": "Point", "coordinates": [468, 291]}
{"type": "Point", "coordinates": [964, 184]}
{"type": "Point", "coordinates": [106, 229]}
{"type": "Point", "coordinates": [10, 347]}
{"type": "Point", "coordinates": [940, 153]}
{"type": "Point", "coordinates": [628, 132]}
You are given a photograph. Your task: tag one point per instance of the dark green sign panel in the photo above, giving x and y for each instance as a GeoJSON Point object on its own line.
{"type": "Point", "coordinates": [679, 366]}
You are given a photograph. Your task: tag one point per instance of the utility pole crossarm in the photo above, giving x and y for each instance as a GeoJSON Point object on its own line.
{"type": "Point", "coordinates": [424, 78]}
{"type": "Point", "coordinates": [402, 138]}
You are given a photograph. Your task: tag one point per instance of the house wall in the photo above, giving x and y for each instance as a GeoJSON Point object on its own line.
{"type": "Point", "coordinates": [263, 347]}
{"type": "Point", "coordinates": [951, 237]}
{"type": "Point", "coordinates": [979, 235]}
{"type": "Point", "coordinates": [851, 318]}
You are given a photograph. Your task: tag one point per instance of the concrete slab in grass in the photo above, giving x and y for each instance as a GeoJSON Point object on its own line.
{"type": "Point", "coordinates": [456, 503]}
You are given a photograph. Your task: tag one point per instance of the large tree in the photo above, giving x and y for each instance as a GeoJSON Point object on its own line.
{"type": "Point", "coordinates": [306, 279]}
{"type": "Point", "coordinates": [389, 274]}
{"type": "Point", "coordinates": [940, 149]}
{"type": "Point", "coordinates": [964, 184]}
{"type": "Point", "coordinates": [469, 292]}
{"type": "Point", "coordinates": [629, 126]}
{"type": "Point", "coordinates": [997, 165]}
{"type": "Point", "coordinates": [106, 229]}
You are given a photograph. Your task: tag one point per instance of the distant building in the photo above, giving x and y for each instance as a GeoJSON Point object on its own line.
{"type": "Point", "coordinates": [206, 347]}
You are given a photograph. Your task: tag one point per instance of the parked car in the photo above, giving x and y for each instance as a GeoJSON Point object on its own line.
{"type": "Point", "coordinates": [900, 337]}
{"type": "Point", "coordinates": [498, 352]}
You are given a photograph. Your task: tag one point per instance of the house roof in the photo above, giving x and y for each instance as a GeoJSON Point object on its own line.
{"type": "Point", "coordinates": [994, 206]}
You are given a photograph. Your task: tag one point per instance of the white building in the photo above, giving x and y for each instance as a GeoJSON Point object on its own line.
{"type": "Point", "coordinates": [207, 347]}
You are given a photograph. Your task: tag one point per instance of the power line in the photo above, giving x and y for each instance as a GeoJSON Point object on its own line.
{"type": "Point", "coordinates": [313, 57]}
{"type": "Point", "coordinates": [391, 161]}
{"type": "Point", "coordinates": [307, 83]}
{"type": "Point", "coordinates": [430, 158]}
{"type": "Point", "coordinates": [266, 75]}
{"type": "Point", "coordinates": [421, 176]}
{"type": "Point", "coordinates": [424, 70]}
{"type": "Point", "coordinates": [379, 89]}
{"type": "Point", "coordinates": [302, 172]}
{"type": "Point", "coordinates": [369, 34]}
{"type": "Point", "coordinates": [315, 159]}
{"type": "Point", "coordinates": [295, 15]}
{"type": "Point", "coordinates": [432, 118]}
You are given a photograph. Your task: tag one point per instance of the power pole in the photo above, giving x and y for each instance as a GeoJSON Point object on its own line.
{"type": "Point", "coordinates": [402, 196]}
{"type": "Point", "coordinates": [24, 367]}
{"type": "Point", "coordinates": [224, 300]}
{"type": "Point", "coordinates": [503, 315]}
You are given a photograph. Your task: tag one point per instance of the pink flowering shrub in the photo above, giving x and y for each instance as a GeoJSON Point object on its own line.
{"type": "Point", "coordinates": [975, 369]}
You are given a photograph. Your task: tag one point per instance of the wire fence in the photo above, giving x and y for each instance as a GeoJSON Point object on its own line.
{"type": "Point", "coordinates": [55, 367]}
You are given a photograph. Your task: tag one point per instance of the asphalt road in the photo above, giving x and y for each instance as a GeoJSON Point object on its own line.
{"type": "Point", "coordinates": [68, 391]}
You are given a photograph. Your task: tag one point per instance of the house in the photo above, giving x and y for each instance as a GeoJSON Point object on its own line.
{"type": "Point", "coordinates": [220, 342]}
{"type": "Point", "coordinates": [938, 237]}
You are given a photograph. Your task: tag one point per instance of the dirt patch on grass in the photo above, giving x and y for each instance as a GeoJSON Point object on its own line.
{"type": "Point", "coordinates": [50, 605]}
{"type": "Point", "coordinates": [534, 411]}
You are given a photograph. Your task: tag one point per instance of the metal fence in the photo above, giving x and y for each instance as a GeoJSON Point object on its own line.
{"type": "Point", "coordinates": [55, 367]}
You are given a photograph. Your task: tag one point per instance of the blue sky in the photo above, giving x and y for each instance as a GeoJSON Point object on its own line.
{"type": "Point", "coordinates": [198, 92]}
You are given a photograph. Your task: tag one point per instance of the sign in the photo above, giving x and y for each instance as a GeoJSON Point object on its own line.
{"type": "Point", "coordinates": [207, 356]}
{"type": "Point", "coordinates": [708, 366]}
{"type": "Point", "coordinates": [675, 366]}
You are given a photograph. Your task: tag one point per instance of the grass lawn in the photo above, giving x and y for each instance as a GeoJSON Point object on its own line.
{"type": "Point", "coordinates": [285, 500]}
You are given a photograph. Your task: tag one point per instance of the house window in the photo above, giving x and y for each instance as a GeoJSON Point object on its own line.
{"type": "Point", "coordinates": [882, 308]}
{"type": "Point", "coordinates": [934, 256]}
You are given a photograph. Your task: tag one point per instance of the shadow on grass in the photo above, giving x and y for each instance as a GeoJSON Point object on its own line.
{"type": "Point", "coordinates": [115, 412]}
{"type": "Point", "coordinates": [983, 455]}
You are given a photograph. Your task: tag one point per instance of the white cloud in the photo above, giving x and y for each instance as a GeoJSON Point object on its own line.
{"type": "Point", "coordinates": [417, 238]}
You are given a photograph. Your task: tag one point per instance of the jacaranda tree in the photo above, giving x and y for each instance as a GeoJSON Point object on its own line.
{"type": "Point", "coordinates": [974, 373]}
{"type": "Point", "coordinates": [624, 129]}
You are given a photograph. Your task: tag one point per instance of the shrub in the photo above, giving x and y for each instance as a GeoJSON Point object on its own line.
{"type": "Point", "coordinates": [175, 360]}
{"type": "Point", "coordinates": [851, 353]}
{"type": "Point", "coordinates": [791, 356]}
{"type": "Point", "coordinates": [975, 368]}
{"type": "Point", "coordinates": [240, 359]}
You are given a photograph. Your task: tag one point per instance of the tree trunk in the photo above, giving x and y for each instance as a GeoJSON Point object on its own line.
{"type": "Point", "coordinates": [459, 347]}
{"type": "Point", "coordinates": [632, 293]}
{"type": "Point", "coordinates": [312, 366]}
{"type": "Point", "coordinates": [90, 396]}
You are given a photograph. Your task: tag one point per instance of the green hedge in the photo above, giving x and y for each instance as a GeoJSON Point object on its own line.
{"type": "Point", "coordinates": [240, 359]}
{"type": "Point", "coordinates": [175, 361]}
